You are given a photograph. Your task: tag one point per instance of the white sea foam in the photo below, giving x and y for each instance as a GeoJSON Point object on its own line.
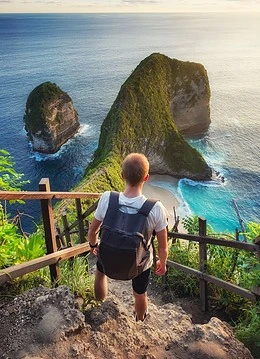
{"type": "Point", "coordinates": [213, 183]}
{"type": "Point", "coordinates": [38, 156]}
{"type": "Point", "coordinates": [183, 209]}
{"type": "Point", "coordinates": [44, 156]}
{"type": "Point", "coordinates": [83, 130]}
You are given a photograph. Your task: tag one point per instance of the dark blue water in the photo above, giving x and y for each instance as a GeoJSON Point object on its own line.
{"type": "Point", "coordinates": [91, 55]}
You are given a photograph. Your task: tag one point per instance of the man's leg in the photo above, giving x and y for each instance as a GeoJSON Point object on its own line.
{"type": "Point", "coordinates": [140, 285]}
{"type": "Point", "coordinates": [100, 286]}
{"type": "Point", "coordinates": [141, 305]}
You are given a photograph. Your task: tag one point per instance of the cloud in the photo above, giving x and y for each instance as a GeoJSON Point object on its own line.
{"type": "Point", "coordinates": [47, 2]}
{"type": "Point", "coordinates": [143, 2]}
{"type": "Point", "coordinates": [246, 1]}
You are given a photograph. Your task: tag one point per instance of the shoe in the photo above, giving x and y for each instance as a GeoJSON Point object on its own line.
{"type": "Point", "coordinates": [142, 320]}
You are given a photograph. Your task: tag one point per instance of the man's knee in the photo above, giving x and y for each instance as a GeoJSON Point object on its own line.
{"type": "Point", "coordinates": [139, 296]}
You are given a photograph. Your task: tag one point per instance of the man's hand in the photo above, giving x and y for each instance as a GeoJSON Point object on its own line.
{"type": "Point", "coordinates": [162, 252]}
{"type": "Point", "coordinates": [160, 268]}
{"type": "Point", "coordinates": [93, 235]}
{"type": "Point", "coordinates": [94, 251]}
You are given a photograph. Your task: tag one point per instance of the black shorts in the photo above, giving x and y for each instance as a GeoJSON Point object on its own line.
{"type": "Point", "coordinates": [139, 283]}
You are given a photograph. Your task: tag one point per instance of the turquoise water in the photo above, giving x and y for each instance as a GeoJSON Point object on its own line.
{"type": "Point", "coordinates": [210, 200]}
{"type": "Point", "coordinates": [91, 55]}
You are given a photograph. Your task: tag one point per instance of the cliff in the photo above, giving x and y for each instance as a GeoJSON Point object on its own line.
{"type": "Point", "coordinates": [141, 120]}
{"type": "Point", "coordinates": [190, 98]}
{"type": "Point", "coordinates": [50, 118]}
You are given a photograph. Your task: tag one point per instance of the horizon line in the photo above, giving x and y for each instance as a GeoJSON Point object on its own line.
{"type": "Point", "coordinates": [138, 12]}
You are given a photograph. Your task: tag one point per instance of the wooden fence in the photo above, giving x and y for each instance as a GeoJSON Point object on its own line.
{"type": "Point", "coordinates": [59, 245]}
{"type": "Point", "coordinates": [205, 278]}
{"type": "Point", "coordinates": [52, 236]}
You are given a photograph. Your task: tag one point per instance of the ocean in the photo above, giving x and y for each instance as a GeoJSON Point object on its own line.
{"type": "Point", "coordinates": [90, 56]}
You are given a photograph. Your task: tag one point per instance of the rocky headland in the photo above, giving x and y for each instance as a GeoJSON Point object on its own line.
{"type": "Point", "coordinates": [50, 118]}
{"type": "Point", "coordinates": [148, 116]}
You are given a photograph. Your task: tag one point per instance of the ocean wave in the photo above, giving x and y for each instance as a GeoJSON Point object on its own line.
{"type": "Point", "coordinates": [83, 130]}
{"type": "Point", "coordinates": [213, 183]}
{"type": "Point", "coordinates": [183, 208]}
{"type": "Point", "coordinates": [210, 152]}
{"type": "Point", "coordinates": [38, 156]}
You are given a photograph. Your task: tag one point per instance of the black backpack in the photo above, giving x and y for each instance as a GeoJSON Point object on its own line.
{"type": "Point", "coordinates": [123, 249]}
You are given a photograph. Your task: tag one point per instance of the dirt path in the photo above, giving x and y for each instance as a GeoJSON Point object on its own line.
{"type": "Point", "coordinates": [44, 323]}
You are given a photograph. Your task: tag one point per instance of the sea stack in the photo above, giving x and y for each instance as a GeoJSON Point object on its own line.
{"type": "Point", "coordinates": [50, 118]}
{"type": "Point", "coordinates": [141, 120]}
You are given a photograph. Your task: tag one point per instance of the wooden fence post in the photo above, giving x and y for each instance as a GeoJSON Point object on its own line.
{"type": "Point", "coordinates": [203, 265]}
{"type": "Point", "coordinates": [48, 222]}
{"type": "Point", "coordinates": [256, 290]}
{"type": "Point", "coordinates": [66, 230]}
{"type": "Point", "coordinates": [80, 221]}
{"type": "Point", "coordinates": [59, 239]}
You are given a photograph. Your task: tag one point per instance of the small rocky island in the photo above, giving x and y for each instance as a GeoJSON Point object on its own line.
{"type": "Point", "coordinates": [50, 118]}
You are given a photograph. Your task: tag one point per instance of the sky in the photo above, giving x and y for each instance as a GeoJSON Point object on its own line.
{"type": "Point", "coordinates": [102, 6]}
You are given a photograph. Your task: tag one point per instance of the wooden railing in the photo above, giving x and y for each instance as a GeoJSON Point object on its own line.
{"type": "Point", "coordinates": [205, 278]}
{"type": "Point", "coordinates": [52, 235]}
{"type": "Point", "coordinates": [59, 245]}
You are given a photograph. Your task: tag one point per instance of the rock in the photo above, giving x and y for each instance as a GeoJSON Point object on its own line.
{"type": "Point", "coordinates": [142, 119]}
{"type": "Point", "coordinates": [189, 101]}
{"type": "Point", "coordinates": [50, 118]}
{"type": "Point", "coordinates": [39, 317]}
{"type": "Point", "coordinates": [47, 325]}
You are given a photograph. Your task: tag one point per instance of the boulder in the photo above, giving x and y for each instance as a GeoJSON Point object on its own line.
{"type": "Point", "coordinates": [50, 118]}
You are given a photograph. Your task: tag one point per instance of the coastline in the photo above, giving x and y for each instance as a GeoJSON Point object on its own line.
{"type": "Point", "coordinates": [151, 190]}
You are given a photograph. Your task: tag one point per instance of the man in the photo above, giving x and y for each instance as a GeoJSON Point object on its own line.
{"type": "Point", "coordinates": [135, 170]}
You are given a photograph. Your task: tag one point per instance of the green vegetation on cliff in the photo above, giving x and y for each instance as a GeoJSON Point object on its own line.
{"type": "Point", "coordinates": [140, 120]}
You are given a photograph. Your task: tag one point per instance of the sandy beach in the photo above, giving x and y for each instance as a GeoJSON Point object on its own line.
{"type": "Point", "coordinates": [150, 190]}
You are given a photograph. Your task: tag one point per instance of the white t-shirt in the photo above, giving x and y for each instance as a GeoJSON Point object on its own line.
{"type": "Point", "coordinates": [156, 220]}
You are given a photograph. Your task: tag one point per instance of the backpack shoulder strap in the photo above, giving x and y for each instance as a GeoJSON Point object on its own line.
{"type": "Point", "coordinates": [112, 209]}
{"type": "Point", "coordinates": [144, 211]}
{"type": "Point", "coordinates": [113, 199]}
{"type": "Point", "coordinates": [147, 207]}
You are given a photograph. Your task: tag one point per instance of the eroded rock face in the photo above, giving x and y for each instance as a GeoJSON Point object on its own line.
{"type": "Point", "coordinates": [190, 104]}
{"type": "Point", "coordinates": [50, 118]}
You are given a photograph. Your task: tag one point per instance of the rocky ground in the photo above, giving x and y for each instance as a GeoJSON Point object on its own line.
{"type": "Point", "coordinates": [46, 323]}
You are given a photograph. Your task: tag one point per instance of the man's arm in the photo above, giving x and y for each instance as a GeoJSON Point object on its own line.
{"type": "Point", "coordinates": [93, 234]}
{"type": "Point", "coordinates": [162, 252]}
